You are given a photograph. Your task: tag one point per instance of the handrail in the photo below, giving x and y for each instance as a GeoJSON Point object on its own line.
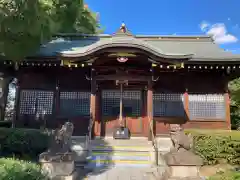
{"type": "Point", "coordinates": [154, 143]}
{"type": "Point", "coordinates": [89, 135]}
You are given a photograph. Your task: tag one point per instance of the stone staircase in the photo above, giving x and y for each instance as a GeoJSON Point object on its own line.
{"type": "Point", "coordinates": [119, 159]}
{"type": "Point", "coordinates": [120, 153]}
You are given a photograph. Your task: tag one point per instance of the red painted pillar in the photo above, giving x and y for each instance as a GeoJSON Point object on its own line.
{"type": "Point", "coordinates": [228, 103]}
{"type": "Point", "coordinates": [150, 109]}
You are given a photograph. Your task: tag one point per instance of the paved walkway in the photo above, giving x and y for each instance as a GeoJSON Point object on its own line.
{"type": "Point", "coordinates": [117, 173]}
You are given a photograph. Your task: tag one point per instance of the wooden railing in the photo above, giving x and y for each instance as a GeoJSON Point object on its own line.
{"type": "Point", "coordinates": [154, 141]}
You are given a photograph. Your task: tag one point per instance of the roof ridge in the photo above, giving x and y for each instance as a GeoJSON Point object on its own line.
{"type": "Point", "coordinates": [170, 37]}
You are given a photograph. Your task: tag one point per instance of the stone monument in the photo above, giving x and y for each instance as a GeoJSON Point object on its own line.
{"type": "Point", "coordinates": [58, 161]}
{"type": "Point", "coordinates": [182, 162]}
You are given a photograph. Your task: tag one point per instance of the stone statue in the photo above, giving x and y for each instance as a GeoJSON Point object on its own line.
{"type": "Point", "coordinates": [182, 144]}
{"type": "Point", "coordinates": [61, 138]}
{"type": "Point", "coordinates": [179, 138]}
{"type": "Point", "coordinates": [60, 142]}
{"type": "Point", "coordinates": [58, 161]}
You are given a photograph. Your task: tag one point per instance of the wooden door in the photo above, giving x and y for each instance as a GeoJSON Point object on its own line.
{"type": "Point", "coordinates": [132, 111]}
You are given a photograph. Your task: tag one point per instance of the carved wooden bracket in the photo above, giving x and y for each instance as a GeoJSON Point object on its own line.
{"type": "Point", "coordinates": [155, 79]}
{"type": "Point", "coordinates": [88, 78]}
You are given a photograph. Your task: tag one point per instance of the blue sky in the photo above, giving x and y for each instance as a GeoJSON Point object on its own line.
{"type": "Point", "coordinates": [220, 18]}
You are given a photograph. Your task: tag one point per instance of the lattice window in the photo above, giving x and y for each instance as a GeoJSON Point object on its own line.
{"type": "Point", "coordinates": [36, 102]}
{"type": "Point", "coordinates": [73, 104]}
{"type": "Point", "coordinates": [111, 101]}
{"type": "Point", "coordinates": [211, 106]}
{"type": "Point", "coordinates": [132, 103]}
{"type": "Point", "coordinates": [168, 105]}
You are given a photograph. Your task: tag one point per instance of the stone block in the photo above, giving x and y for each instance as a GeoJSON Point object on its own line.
{"type": "Point", "coordinates": [58, 168]}
{"type": "Point", "coordinates": [184, 171]}
{"type": "Point", "coordinates": [161, 159]}
{"type": "Point", "coordinates": [73, 176]}
{"type": "Point", "coordinates": [81, 156]}
{"type": "Point", "coordinates": [57, 157]}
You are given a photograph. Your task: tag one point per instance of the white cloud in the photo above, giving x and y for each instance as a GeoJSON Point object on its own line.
{"type": "Point", "coordinates": [204, 25]}
{"type": "Point", "coordinates": [218, 32]}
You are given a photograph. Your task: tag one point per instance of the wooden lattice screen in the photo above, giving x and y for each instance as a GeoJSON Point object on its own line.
{"type": "Point", "coordinates": [131, 102]}
{"type": "Point", "coordinates": [74, 104]}
{"type": "Point", "coordinates": [36, 102]}
{"type": "Point", "coordinates": [207, 106]}
{"type": "Point", "coordinates": [168, 105]}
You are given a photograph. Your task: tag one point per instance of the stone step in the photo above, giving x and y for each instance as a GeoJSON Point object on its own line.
{"type": "Point", "coordinates": [79, 143]}
{"type": "Point", "coordinates": [121, 148]}
{"type": "Point", "coordinates": [122, 143]}
{"type": "Point", "coordinates": [126, 173]}
{"type": "Point", "coordinates": [117, 163]}
{"type": "Point", "coordinates": [121, 156]}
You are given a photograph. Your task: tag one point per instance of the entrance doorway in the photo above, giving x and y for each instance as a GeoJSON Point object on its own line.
{"type": "Point", "coordinates": [132, 110]}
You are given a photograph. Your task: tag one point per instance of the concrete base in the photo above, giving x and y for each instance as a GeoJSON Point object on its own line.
{"type": "Point", "coordinates": [73, 176]}
{"type": "Point", "coordinates": [184, 171]}
{"type": "Point", "coordinates": [53, 169]}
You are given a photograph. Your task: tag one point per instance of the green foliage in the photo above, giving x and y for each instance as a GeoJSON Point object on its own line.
{"type": "Point", "coordinates": [216, 148]}
{"type": "Point", "coordinates": [23, 143]}
{"type": "Point", "coordinates": [5, 124]}
{"type": "Point", "coordinates": [228, 175]}
{"type": "Point", "coordinates": [72, 16]}
{"type": "Point", "coordinates": [25, 25]}
{"type": "Point", "coordinates": [14, 169]}
{"type": "Point", "coordinates": [234, 87]}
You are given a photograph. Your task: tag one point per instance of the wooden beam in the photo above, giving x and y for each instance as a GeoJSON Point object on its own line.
{"type": "Point", "coordinates": [129, 77]}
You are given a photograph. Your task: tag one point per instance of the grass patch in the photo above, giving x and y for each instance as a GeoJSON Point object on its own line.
{"type": "Point", "coordinates": [227, 175]}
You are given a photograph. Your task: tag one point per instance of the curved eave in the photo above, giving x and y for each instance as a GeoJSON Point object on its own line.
{"type": "Point", "coordinates": [215, 60]}
{"type": "Point", "coordinates": [94, 49]}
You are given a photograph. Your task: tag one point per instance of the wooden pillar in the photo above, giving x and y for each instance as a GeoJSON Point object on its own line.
{"type": "Point", "coordinates": [16, 104]}
{"type": "Point", "coordinates": [93, 100]}
{"type": "Point", "coordinates": [228, 116]}
{"type": "Point", "coordinates": [57, 99]}
{"type": "Point", "coordinates": [227, 104]}
{"type": "Point", "coordinates": [97, 124]}
{"type": "Point", "coordinates": [150, 108]}
{"type": "Point", "coordinates": [57, 122]}
{"type": "Point", "coordinates": [186, 105]}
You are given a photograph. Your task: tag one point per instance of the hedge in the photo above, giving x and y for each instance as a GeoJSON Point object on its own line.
{"type": "Point", "coordinates": [14, 169]}
{"type": "Point", "coordinates": [22, 143]}
{"type": "Point", "coordinates": [217, 147]}
{"type": "Point", "coordinates": [228, 175]}
{"type": "Point", "coordinates": [5, 124]}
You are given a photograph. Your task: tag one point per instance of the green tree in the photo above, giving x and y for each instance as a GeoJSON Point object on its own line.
{"type": "Point", "coordinates": [234, 87]}
{"type": "Point", "coordinates": [26, 24]}
{"type": "Point", "coordinates": [23, 26]}
{"type": "Point", "coordinates": [74, 17]}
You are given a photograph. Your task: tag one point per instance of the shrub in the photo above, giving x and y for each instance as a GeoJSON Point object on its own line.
{"type": "Point", "coordinates": [217, 147]}
{"type": "Point", "coordinates": [228, 175]}
{"type": "Point", "coordinates": [22, 143]}
{"type": "Point", "coordinates": [15, 169]}
{"type": "Point", "coordinates": [5, 124]}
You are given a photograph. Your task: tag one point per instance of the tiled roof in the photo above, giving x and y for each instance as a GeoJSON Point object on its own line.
{"type": "Point", "coordinates": [196, 48]}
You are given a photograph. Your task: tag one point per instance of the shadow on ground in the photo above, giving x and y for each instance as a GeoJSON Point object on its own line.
{"type": "Point", "coordinates": [93, 159]}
